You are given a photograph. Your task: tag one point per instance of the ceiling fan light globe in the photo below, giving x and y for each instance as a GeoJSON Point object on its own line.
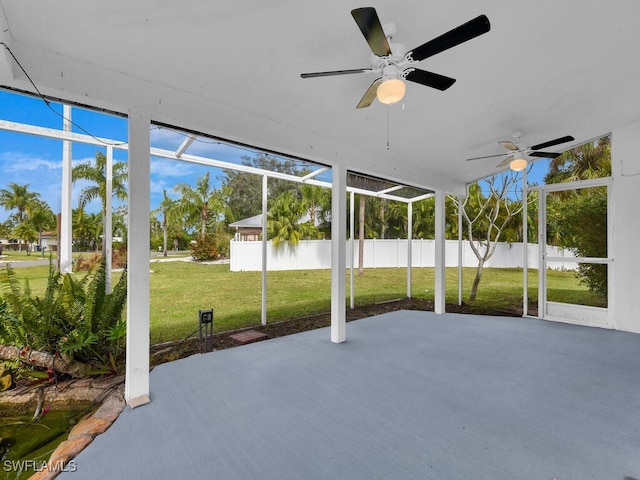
{"type": "Point", "coordinates": [391, 91]}
{"type": "Point", "coordinates": [518, 164]}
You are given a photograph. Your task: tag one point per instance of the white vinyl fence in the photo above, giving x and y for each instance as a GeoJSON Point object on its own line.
{"type": "Point", "coordinates": [316, 254]}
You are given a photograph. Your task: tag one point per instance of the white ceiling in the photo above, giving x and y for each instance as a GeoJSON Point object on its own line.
{"type": "Point", "coordinates": [232, 69]}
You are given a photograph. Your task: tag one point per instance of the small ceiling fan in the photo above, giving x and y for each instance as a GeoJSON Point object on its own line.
{"type": "Point", "coordinates": [393, 63]}
{"type": "Point", "coordinates": [517, 154]}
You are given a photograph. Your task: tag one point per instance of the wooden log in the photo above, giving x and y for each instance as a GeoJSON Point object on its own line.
{"type": "Point", "coordinates": [58, 363]}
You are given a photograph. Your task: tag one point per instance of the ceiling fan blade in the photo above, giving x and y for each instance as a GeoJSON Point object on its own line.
{"type": "Point", "coordinates": [369, 23]}
{"type": "Point", "coordinates": [487, 156]}
{"type": "Point", "coordinates": [430, 79]}
{"type": "Point", "coordinates": [544, 154]}
{"type": "Point", "coordinates": [505, 162]}
{"type": "Point", "coordinates": [370, 94]}
{"type": "Point", "coordinates": [458, 35]}
{"type": "Point", "coordinates": [551, 143]}
{"type": "Point", "coordinates": [335, 72]}
{"type": "Point", "coordinates": [509, 145]}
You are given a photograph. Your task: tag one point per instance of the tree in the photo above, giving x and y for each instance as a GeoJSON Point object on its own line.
{"type": "Point", "coordinates": [244, 190]}
{"type": "Point", "coordinates": [486, 218]}
{"type": "Point", "coordinates": [25, 231]}
{"type": "Point", "coordinates": [283, 221]}
{"type": "Point", "coordinates": [579, 217]}
{"type": "Point", "coordinates": [317, 202]}
{"type": "Point", "coordinates": [87, 228]}
{"type": "Point", "coordinates": [18, 197]}
{"type": "Point", "coordinates": [202, 202]}
{"type": "Point", "coordinates": [41, 217]}
{"type": "Point", "coordinates": [170, 210]}
{"type": "Point", "coordinates": [96, 175]}
{"type": "Point", "coordinates": [584, 162]}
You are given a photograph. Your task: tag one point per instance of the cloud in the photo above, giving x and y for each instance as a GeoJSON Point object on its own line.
{"type": "Point", "coordinates": [170, 168]}
{"type": "Point", "coordinates": [13, 162]}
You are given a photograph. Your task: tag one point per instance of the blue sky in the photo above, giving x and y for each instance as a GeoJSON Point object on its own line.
{"type": "Point", "coordinates": [37, 161]}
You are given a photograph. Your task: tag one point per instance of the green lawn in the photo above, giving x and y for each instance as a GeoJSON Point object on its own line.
{"type": "Point", "coordinates": [180, 289]}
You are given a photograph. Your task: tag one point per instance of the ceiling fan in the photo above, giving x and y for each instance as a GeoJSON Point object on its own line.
{"type": "Point", "coordinates": [517, 154]}
{"type": "Point", "coordinates": [393, 63]}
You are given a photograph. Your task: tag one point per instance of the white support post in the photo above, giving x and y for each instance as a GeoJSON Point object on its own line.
{"type": "Point", "coordinates": [352, 223]}
{"type": "Point", "coordinates": [265, 194]}
{"type": "Point", "coordinates": [439, 303]}
{"type": "Point", "coordinates": [460, 259]}
{"type": "Point", "coordinates": [409, 246]}
{"type": "Point", "coordinates": [525, 245]}
{"type": "Point", "coordinates": [542, 251]}
{"type": "Point", "coordinates": [107, 233]}
{"type": "Point", "coordinates": [338, 253]}
{"type": "Point", "coordinates": [65, 235]}
{"type": "Point", "coordinates": [137, 367]}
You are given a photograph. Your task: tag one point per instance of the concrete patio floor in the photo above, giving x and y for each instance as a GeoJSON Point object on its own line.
{"type": "Point", "coordinates": [410, 395]}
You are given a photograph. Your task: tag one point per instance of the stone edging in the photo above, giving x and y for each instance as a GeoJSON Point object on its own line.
{"type": "Point", "coordinates": [82, 435]}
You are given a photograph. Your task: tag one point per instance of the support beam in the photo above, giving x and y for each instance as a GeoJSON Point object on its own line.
{"type": "Point", "coordinates": [460, 259]}
{"type": "Point", "coordinates": [107, 231]}
{"type": "Point", "coordinates": [65, 235]}
{"type": "Point", "coordinates": [409, 246]}
{"type": "Point", "coordinates": [186, 143]}
{"type": "Point", "coordinates": [439, 301]}
{"type": "Point", "coordinates": [137, 367]}
{"type": "Point", "coordinates": [352, 223]}
{"type": "Point", "coordinates": [525, 245]}
{"type": "Point", "coordinates": [338, 253]}
{"type": "Point", "coordinates": [265, 196]}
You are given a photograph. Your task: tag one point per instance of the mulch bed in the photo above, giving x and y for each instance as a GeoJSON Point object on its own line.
{"type": "Point", "coordinates": [168, 352]}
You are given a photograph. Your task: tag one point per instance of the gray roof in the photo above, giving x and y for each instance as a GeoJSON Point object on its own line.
{"type": "Point", "coordinates": [255, 221]}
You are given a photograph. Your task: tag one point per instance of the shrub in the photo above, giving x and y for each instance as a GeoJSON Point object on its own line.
{"type": "Point", "coordinates": [205, 248]}
{"type": "Point", "coordinates": [87, 263]}
{"type": "Point", "coordinates": [74, 317]}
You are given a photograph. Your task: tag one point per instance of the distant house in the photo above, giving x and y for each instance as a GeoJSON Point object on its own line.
{"type": "Point", "coordinates": [248, 229]}
{"type": "Point", "coordinates": [49, 242]}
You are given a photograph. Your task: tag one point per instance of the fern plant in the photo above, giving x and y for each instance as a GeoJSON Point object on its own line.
{"type": "Point", "coordinates": [74, 317]}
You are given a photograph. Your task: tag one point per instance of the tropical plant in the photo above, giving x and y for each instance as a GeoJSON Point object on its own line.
{"type": "Point", "coordinates": [171, 219]}
{"type": "Point", "coordinates": [584, 162]}
{"type": "Point", "coordinates": [74, 317]}
{"type": "Point", "coordinates": [243, 192]}
{"type": "Point", "coordinates": [317, 202]}
{"type": "Point", "coordinates": [87, 228]}
{"type": "Point", "coordinates": [19, 198]}
{"type": "Point", "coordinates": [41, 218]}
{"type": "Point", "coordinates": [96, 175]}
{"type": "Point", "coordinates": [284, 221]}
{"type": "Point", "coordinates": [578, 218]}
{"type": "Point", "coordinates": [205, 248]}
{"type": "Point", "coordinates": [201, 203]}
{"type": "Point", "coordinates": [25, 231]}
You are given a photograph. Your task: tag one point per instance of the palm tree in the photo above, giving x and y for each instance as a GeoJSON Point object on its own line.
{"type": "Point", "coordinates": [170, 218]}
{"type": "Point", "coordinates": [41, 217]}
{"type": "Point", "coordinates": [317, 201]}
{"type": "Point", "coordinates": [86, 228]}
{"type": "Point", "coordinates": [96, 174]}
{"type": "Point", "coordinates": [18, 197]}
{"type": "Point", "coordinates": [591, 160]}
{"type": "Point", "coordinates": [283, 221]}
{"type": "Point", "coordinates": [201, 203]}
{"type": "Point", "coordinates": [25, 231]}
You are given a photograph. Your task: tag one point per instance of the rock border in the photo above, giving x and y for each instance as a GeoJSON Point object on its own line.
{"type": "Point", "coordinates": [82, 434]}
